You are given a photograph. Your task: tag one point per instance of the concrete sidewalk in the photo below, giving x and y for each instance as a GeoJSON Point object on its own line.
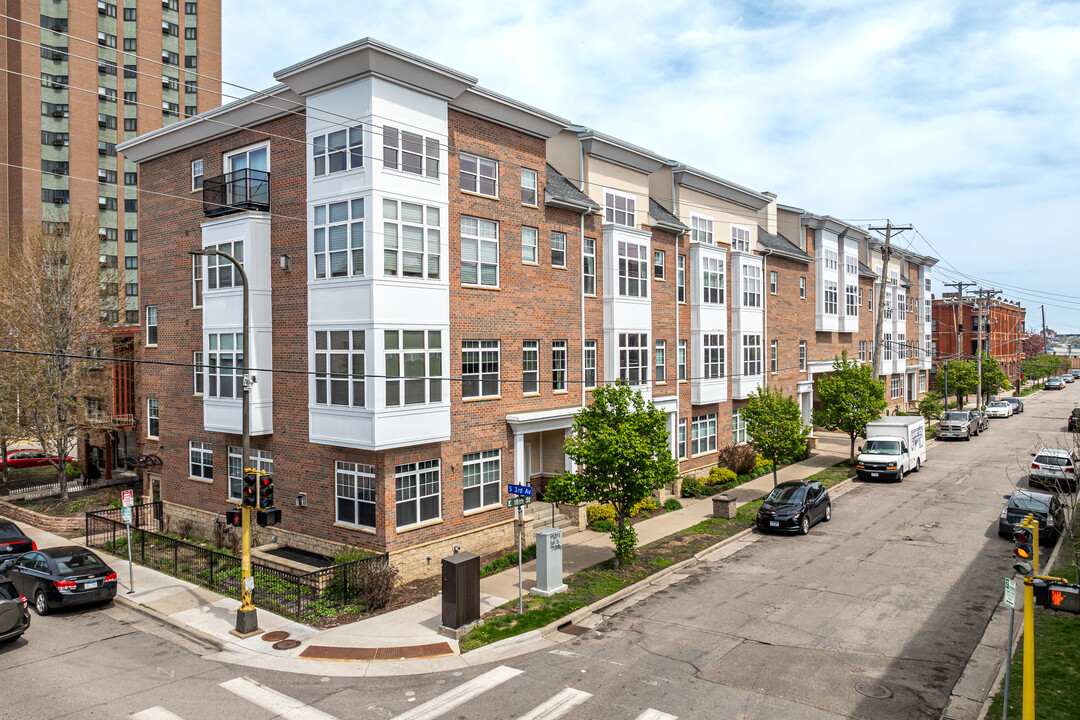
{"type": "Point", "coordinates": [410, 632]}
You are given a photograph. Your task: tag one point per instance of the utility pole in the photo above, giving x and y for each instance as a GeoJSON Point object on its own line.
{"type": "Point", "coordinates": [984, 302]}
{"type": "Point", "coordinates": [958, 301]}
{"type": "Point", "coordinates": [886, 254]}
{"type": "Point", "coordinates": [1043, 308]}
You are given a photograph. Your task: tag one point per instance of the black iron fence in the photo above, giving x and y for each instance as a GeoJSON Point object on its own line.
{"type": "Point", "coordinates": [329, 592]}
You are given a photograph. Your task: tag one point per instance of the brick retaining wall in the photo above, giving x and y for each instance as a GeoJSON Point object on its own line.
{"type": "Point", "coordinates": [58, 525]}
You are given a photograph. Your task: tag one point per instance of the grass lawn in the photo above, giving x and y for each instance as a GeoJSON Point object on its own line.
{"type": "Point", "coordinates": [591, 584]}
{"type": "Point", "coordinates": [1057, 661]}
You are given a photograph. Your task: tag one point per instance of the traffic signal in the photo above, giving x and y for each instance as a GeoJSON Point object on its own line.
{"type": "Point", "coordinates": [270, 516]}
{"type": "Point", "coordinates": [1022, 551]}
{"type": "Point", "coordinates": [249, 493]}
{"type": "Point", "coordinates": [1063, 596]}
{"type": "Point", "coordinates": [234, 518]}
{"type": "Point", "coordinates": [266, 491]}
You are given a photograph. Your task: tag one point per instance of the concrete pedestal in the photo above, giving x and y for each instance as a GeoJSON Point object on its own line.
{"type": "Point", "coordinates": [723, 506]}
{"type": "Point", "coordinates": [549, 572]}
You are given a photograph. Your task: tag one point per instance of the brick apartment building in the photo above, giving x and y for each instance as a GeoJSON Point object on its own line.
{"type": "Point", "coordinates": [955, 330]}
{"type": "Point", "coordinates": [439, 275]}
{"type": "Point", "coordinates": [80, 77]}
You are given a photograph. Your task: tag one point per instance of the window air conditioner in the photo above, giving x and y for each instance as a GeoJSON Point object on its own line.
{"type": "Point", "coordinates": [102, 234]}
{"type": "Point", "coordinates": [102, 174]}
{"type": "Point", "coordinates": [103, 259]}
{"type": "Point", "coordinates": [164, 27]}
{"type": "Point", "coordinates": [57, 85]}
{"type": "Point", "coordinates": [102, 69]}
{"type": "Point", "coordinates": [57, 55]}
{"type": "Point", "coordinates": [58, 142]}
{"type": "Point", "coordinates": [58, 200]}
{"type": "Point", "coordinates": [101, 151]}
{"type": "Point", "coordinates": [165, 4]}
{"type": "Point", "coordinates": [101, 121]}
{"type": "Point", "coordinates": [57, 27]}
{"type": "Point", "coordinates": [102, 202]}
{"type": "Point", "coordinates": [164, 81]}
{"type": "Point", "coordinates": [58, 113]}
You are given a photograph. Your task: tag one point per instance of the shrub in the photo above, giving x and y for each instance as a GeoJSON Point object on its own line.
{"type": "Point", "coordinates": [376, 580]}
{"type": "Point", "coordinates": [603, 525]}
{"type": "Point", "coordinates": [219, 535]}
{"type": "Point", "coordinates": [739, 458]}
{"type": "Point", "coordinates": [692, 487]}
{"type": "Point", "coordinates": [185, 527]}
{"type": "Point", "coordinates": [672, 504]}
{"type": "Point", "coordinates": [72, 471]}
{"type": "Point", "coordinates": [234, 541]}
{"type": "Point", "coordinates": [600, 512]}
{"type": "Point", "coordinates": [721, 476]}
{"type": "Point", "coordinates": [761, 462]}
{"type": "Point", "coordinates": [743, 479]}
{"type": "Point", "coordinates": [646, 505]}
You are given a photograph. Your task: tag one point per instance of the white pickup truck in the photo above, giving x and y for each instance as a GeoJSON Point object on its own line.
{"type": "Point", "coordinates": [894, 445]}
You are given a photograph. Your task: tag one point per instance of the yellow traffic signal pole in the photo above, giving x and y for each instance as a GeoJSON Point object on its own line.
{"type": "Point", "coordinates": [1029, 622]}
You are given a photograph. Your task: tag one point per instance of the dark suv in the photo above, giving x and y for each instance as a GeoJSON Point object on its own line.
{"type": "Point", "coordinates": [1074, 419]}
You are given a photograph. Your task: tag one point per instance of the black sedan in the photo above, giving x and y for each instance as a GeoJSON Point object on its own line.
{"type": "Point", "coordinates": [12, 541]}
{"type": "Point", "coordinates": [61, 577]}
{"type": "Point", "coordinates": [14, 617]}
{"type": "Point", "coordinates": [1046, 508]}
{"type": "Point", "coordinates": [795, 506]}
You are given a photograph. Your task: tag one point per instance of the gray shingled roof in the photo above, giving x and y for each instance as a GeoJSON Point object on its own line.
{"type": "Point", "coordinates": [560, 191]}
{"type": "Point", "coordinates": [865, 271]}
{"type": "Point", "coordinates": [779, 245]}
{"type": "Point", "coordinates": [664, 218]}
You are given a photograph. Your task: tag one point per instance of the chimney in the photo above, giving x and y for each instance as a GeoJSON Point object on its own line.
{"type": "Point", "coordinates": [770, 212]}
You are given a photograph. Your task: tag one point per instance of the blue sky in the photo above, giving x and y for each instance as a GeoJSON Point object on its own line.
{"type": "Point", "coordinates": [960, 118]}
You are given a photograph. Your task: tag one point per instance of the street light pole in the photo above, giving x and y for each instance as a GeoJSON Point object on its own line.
{"type": "Point", "coordinates": [247, 621]}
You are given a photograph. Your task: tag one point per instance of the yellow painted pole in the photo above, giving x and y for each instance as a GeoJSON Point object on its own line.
{"type": "Point", "coordinates": [1029, 650]}
{"type": "Point", "coordinates": [245, 559]}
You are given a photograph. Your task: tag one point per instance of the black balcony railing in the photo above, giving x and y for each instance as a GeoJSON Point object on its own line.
{"type": "Point", "coordinates": [235, 192]}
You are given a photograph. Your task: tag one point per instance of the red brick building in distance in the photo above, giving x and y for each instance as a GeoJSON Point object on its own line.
{"type": "Point", "coordinates": [956, 331]}
{"type": "Point", "coordinates": [439, 276]}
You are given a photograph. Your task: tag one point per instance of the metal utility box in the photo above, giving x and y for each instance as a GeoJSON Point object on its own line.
{"type": "Point", "coordinates": [549, 571]}
{"type": "Point", "coordinates": [460, 589]}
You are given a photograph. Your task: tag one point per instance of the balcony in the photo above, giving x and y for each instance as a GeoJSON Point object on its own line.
{"type": "Point", "coordinates": [236, 192]}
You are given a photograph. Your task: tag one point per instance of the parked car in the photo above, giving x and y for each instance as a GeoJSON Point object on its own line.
{"type": "Point", "coordinates": [1000, 409]}
{"type": "Point", "coordinates": [1054, 383]}
{"type": "Point", "coordinates": [31, 458]}
{"type": "Point", "coordinates": [13, 542]}
{"type": "Point", "coordinates": [1053, 468]}
{"type": "Point", "coordinates": [956, 424]}
{"type": "Point", "coordinates": [1046, 508]}
{"type": "Point", "coordinates": [14, 617]}
{"type": "Point", "coordinates": [1074, 419]}
{"type": "Point", "coordinates": [795, 506]}
{"type": "Point", "coordinates": [1067, 377]}
{"type": "Point", "coordinates": [61, 577]}
{"type": "Point", "coordinates": [1075, 372]}
{"type": "Point", "coordinates": [980, 422]}
{"type": "Point", "coordinates": [1017, 403]}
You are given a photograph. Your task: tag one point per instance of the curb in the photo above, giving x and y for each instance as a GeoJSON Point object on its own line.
{"type": "Point", "coordinates": [198, 636]}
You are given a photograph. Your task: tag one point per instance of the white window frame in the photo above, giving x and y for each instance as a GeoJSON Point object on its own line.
{"type": "Point", "coordinates": [703, 434]}
{"type": "Point", "coordinates": [829, 298]}
{"type": "Point", "coordinates": [714, 356]}
{"type": "Point", "coordinates": [530, 242]}
{"type": "Point", "coordinates": [558, 365]}
{"type": "Point", "coordinates": [530, 184]}
{"type": "Point", "coordinates": [343, 147]}
{"type": "Point", "coordinates": [740, 238]}
{"type": "Point", "coordinates": [329, 250]}
{"type": "Point", "coordinates": [558, 249]}
{"type": "Point", "coordinates": [680, 360]}
{"type": "Point", "coordinates": [897, 387]}
{"type": "Point", "coordinates": [659, 258]}
{"type": "Point", "coordinates": [151, 326]}
{"type": "Point", "coordinates": [589, 364]}
{"type": "Point", "coordinates": [802, 287]}
{"type": "Point", "coordinates": [701, 229]}
{"type": "Point", "coordinates": [751, 352]}
{"type": "Point", "coordinates": [485, 469]}
{"type": "Point", "coordinates": [922, 381]}
{"type": "Point", "coordinates": [410, 480]}
{"type": "Point", "coordinates": [588, 267]}
{"type": "Point", "coordinates": [680, 278]}
{"type": "Point", "coordinates": [397, 359]}
{"type": "Point", "coordinates": [660, 361]}
{"type": "Point", "coordinates": [802, 355]}
{"type": "Point", "coordinates": [772, 282]}
{"type": "Point", "coordinates": [712, 280]}
{"type": "Point", "coordinates": [886, 341]}
{"type": "Point", "coordinates": [153, 419]}
{"type": "Point", "coordinates": [396, 227]}
{"type": "Point", "coordinates": [530, 367]}
{"type": "Point", "coordinates": [216, 374]}
{"type": "Point", "coordinates": [425, 151]}
{"type": "Point", "coordinates": [851, 295]}
{"type": "Point", "coordinates": [196, 175]}
{"type": "Point", "coordinates": [624, 215]}
{"type": "Point", "coordinates": [633, 269]}
{"type": "Point", "coordinates": [480, 369]}
{"type": "Point", "coordinates": [221, 273]}
{"type": "Point", "coordinates": [773, 357]}
{"type": "Point", "coordinates": [862, 351]}
{"type": "Point", "coordinates": [476, 173]}
{"type": "Point", "coordinates": [198, 378]}
{"type": "Point", "coordinates": [257, 460]}
{"type": "Point", "coordinates": [681, 439]}
{"type": "Point", "coordinates": [340, 364]}
{"type": "Point", "coordinates": [479, 251]}
{"type": "Point", "coordinates": [634, 358]}
{"type": "Point", "coordinates": [751, 286]}
{"type": "Point", "coordinates": [738, 428]}
{"type": "Point", "coordinates": [359, 485]}
{"type": "Point", "coordinates": [198, 282]}
{"type": "Point", "coordinates": [200, 460]}
{"type": "Point", "coordinates": [831, 258]}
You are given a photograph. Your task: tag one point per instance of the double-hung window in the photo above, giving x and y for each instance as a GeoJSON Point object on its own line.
{"type": "Point", "coordinates": [830, 299]}
{"type": "Point", "coordinates": [339, 239]}
{"type": "Point", "coordinates": [479, 368]}
{"type": "Point", "coordinates": [529, 242]}
{"type": "Point", "coordinates": [619, 208]}
{"type": "Point", "coordinates": [479, 252]}
{"type": "Point", "coordinates": [802, 288]}
{"type": "Point", "coordinates": [802, 355]}
{"type": "Point", "coordinates": [701, 229]}
{"type": "Point", "coordinates": [772, 282]}
{"type": "Point", "coordinates": [851, 302]}
{"type": "Point", "coordinates": [740, 238]}
{"type": "Point", "coordinates": [660, 361]}
{"type": "Point", "coordinates": [152, 419]}
{"type": "Point", "coordinates": [713, 359]}
{"type": "Point", "coordinates": [558, 249]}
{"type": "Point", "coordinates": [680, 443]}
{"type": "Point", "coordinates": [417, 489]}
{"type": "Point", "coordinates": [738, 428]}
{"type": "Point", "coordinates": [634, 358]}
{"type": "Point", "coordinates": [712, 280]}
{"type": "Point", "coordinates": [196, 174]}
{"type": "Point", "coordinates": [751, 286]}
{"type": "Point", "coordinates": [633, 270]}
{"type": "Point", "coordinates": [680, 278]}
{"type": "Point", "coordinates": [339, 368]}
{"type": "Point", "coordinates": [481, 478]}
{"type": "Point", "coordinates": [901, 306]}
{"type": "Point", "coordinates": [413, 361]}
{"type": "Point", "coordinates": [530, 367]}
{"type": "Point", "coordinates": [196, 280]}
{"type": "Point", "coordinates": [225, 365]}
{"type": "Point", "coordinates": [681, 360]}
{"type": "Point", "coordinates": [220, 273]}
{"type": "Point", "coordinates": [831, 258]}
{"type": "Point", "coordinates": [257, 460]}
{"type": "Point", "coordinates": [751, 351]}
{"type": "Point", "coordinates": [887, 343]}
{"type": "Point", "coordinates": [862, 351]}
{"type": "Point", "coordinates": [338, 151]}
{"type": "Point", "coordinates": [558, 365]}
{"type": "Point", "coordinates": [588, 267]}
{"type": "Point", "coordinates": [590, 364]}
{"type": "Point", "coordinates": [410, 152]}
{"type": "Point", "coordinates": [773, 356]}
{"type": "Point", "coordinates": [528, 187]}
{"type": "Point", "coordinates": [479, 175]}
{"type": "Point", "coordinates": [151, 326]}
{"type": "Point", "coordinates": [897, 387]}
{"type": "Point", "coordinates": [412, 239]}
{"type": "Point", "coordinates": [201, 460]}
{"type": "Point", "coordinates": [851, 266]}
{"type": "Point", "coordinates": [703, 434]}
{"type": "Point", "coordinates": [198, 378]}
{"type": "Point", "coordinates": [658, 264]}
{"type": "Point", "coordinates": [355, 494]}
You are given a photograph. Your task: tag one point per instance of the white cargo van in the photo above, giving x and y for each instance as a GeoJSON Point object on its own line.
{"type": "Point", "coordinates": [894, 445]}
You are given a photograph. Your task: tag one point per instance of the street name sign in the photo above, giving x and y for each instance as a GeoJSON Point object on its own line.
{"type": "Point", "coordinates": [524, 490]}
{"type": "Point", "coordinates": [519, 501]}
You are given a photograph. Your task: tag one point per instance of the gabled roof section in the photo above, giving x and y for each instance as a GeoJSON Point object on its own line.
{"type": "Point", "coordinates": [777, 244]}
{"type": "Point", "coordinates": [560, 192]}
{"type": "Point", "coordinates": [663, 219]}
{"type": "Point", "coordinates": [371, 57]}
{"type": "Point", "coordinates": [702, 181]}
{"type": "Point", "coordinates": [504, 111]}
{"type": "Point", "coordinates": [866, 272]}
{"type": "Point", "coordinates": [924, 260]}
{"type": "Point", "coordinates": [598, 145]}
{"type": "Point", "coordinates": [835, 225]}
{"type": "Point", "coordinates": [905, 282]}
{"type": "Point", "coordinates": [254, 109]}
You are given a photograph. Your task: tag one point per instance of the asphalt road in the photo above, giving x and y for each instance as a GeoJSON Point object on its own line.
{"type": "Point", "coordinates": [895, 591]}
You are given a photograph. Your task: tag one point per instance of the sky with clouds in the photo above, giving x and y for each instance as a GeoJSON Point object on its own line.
{"type": "Point", "coordinates": [959, 118]}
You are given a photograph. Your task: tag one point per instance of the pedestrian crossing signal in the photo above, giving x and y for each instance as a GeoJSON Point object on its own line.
{"type": "Point", "coordinates": [234, 518]}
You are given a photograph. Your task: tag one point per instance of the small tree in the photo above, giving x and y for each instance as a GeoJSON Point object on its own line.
{"type": "Point", "coordinates": [930, 406]}
{"type": "Point", "coordinates": [621, 445]}
{"type": "Point", "coordinates": [850, 397]}
{"type": "Point", "coordinates": [993, 377]}
{"type": "Point", "coordinates": [1034, 345]}
{"type": "Point", "coordinates": [962, 377]}
{"type": "Point", "coordinates": [774, 425]}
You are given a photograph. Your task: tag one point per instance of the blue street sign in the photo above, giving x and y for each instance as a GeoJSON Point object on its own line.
{"type": "Point", "coordinates": [525, 490]}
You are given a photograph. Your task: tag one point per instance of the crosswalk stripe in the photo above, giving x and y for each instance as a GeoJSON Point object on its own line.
{"type": "Point", "coordinates": [651, 714]}
{"type": "Point", "coordinates": [558, 705]}
{"type": "Point", "coordinates": [155, 713]}
{"type": "Point", "coordinates": [281, 705]}
{"type": "Point", "coordinates": [461, 694]}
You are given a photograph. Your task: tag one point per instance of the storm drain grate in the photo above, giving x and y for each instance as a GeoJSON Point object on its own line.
{"type": "Point", "coordinates": [872, 690]}
{"type": "Point", "coordinates": [411, 652]}
{"type": "Point", "coordinates": [571, 629]}
{"type": "Point", "coordinates": [286, 644]}
{"type": "Point", "coordinates": [272, 637]}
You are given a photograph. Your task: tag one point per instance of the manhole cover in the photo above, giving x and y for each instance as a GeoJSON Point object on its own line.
{"type": "Point", "coordinates": [871, 690]}
{"type": "Point", "coordinates": [271, 637]}
{"type": "Point", "coordinates": [286, 644]}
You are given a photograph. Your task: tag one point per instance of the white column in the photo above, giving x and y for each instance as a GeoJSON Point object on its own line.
{"type": "Point", "coordinates": [519, 459]}
{"type": "Point", "coordinates": [569, 464]}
